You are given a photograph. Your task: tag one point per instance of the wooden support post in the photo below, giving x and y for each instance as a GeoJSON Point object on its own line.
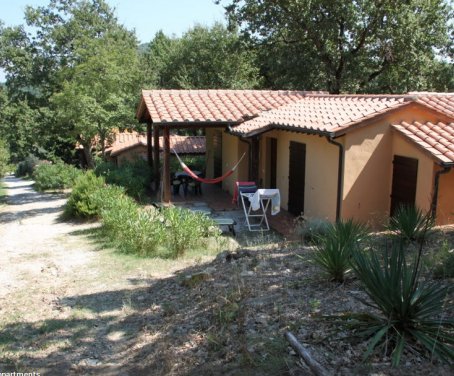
{"type": "Point", "coordinates": [149, 146]}
{"type": "Point", "coordinates": [254, 160]}
{"type": "Point", "coordinates": [166, 166]}
{"type": "Point", "coordinates": [156, 169]}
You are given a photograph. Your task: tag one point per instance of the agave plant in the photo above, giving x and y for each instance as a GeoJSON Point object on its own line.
{"type": "Point", "coordinates": [410, 311]}
{"type": "Point", "coordinates": [410, 223]}
{"type": "Point", "coordinates": [334, 249]}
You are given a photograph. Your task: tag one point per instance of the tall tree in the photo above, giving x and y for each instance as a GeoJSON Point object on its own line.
{"type": "Point", "coordinates": [203, 58]}
{"type": "Point", "coordinates": [351, 45]}
{"type": "Point", "coordinates": [77, 51]}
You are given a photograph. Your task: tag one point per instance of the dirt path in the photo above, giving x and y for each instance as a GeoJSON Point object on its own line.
{"type": "Point", "coordinates": [33, 248]}
{"type": "Point", "coordinates": [60, 296]}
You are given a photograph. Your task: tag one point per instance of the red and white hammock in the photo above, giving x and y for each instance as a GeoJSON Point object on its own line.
{"type": "Point", "coordinates": [206, 180]}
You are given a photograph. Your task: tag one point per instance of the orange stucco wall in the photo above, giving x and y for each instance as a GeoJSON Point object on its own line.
{"type": "Point", "coordinates": [445, 207]}
{"type": "Point", "coordinates": [232, 150]}
{"type": "Point", "coordinates": [369, 153]}
{"type": "Point", "coordinates": [321, 172]}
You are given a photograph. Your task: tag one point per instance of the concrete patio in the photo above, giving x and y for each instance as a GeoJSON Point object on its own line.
{"type": "Point", "coordinates": [213, 199]}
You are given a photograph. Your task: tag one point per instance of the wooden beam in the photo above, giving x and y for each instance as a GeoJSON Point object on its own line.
{"type": "Point", "coordinates": [166, 166]}
{"type": "Point", "coordinates": [156, 169]}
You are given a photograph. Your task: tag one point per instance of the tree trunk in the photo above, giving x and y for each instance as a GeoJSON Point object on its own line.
{"type": "Point", "coordinates": [88, 155]}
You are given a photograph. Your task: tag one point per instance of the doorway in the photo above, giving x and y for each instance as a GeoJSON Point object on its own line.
{"type": "Point", "coordinates": [405, 175]}
{"type": "Point", "coordinates": [297, 178]}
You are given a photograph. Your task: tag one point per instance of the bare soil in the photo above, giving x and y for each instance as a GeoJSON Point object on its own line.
{"type": "Point", "coordinates": [69, 307]}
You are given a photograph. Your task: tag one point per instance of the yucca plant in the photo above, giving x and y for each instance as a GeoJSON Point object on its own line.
{"type": "Point", "coordinates": [334, 249]}
{"type": "Point", "coordinates": [410, 223]}
{"type": "Point", "coordinates": [410, 311]}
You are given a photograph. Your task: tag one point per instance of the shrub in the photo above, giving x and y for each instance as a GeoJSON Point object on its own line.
{"type": "Point", "coordinates": [311, 230]}
{"type": "Point", "coordinates": [444, 262]}
{"type": "Point", "coordinates": [184, 229]}
{"type": "Point", "coordinates": [410, 310]}
{"type": "Point", "coordinates": [81, 202]}
{"type": "Point", "coordinates": [333, 254]}
{"type": "Point", "coordinates": [4, 158]}
{"type": "Point", "coordinates": [27, 166]}
{"type": "Point", "coordinates": [55, 176]}
{"type": "Point", "coordinates": [134, 176]}
{"type": "Point", "coordinates": [410, 223]}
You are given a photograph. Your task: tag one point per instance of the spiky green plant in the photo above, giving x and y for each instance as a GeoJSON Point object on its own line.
{"type": "Point", "coordinates": [334, 249]}
{"type": "Point", "coordinates": [411, 311]}
{"type": "Point", "coordinates": [410, 223]}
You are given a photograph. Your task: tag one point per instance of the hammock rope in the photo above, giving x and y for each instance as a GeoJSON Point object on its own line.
{"type": "Point", "coordinates": [207, 180]}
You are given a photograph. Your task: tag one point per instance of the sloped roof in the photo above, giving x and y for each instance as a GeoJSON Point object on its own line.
{"type": "Point", "coordinates": [211, 106]}
{"type": "Point", "coordinates": [182, 144]}
{"type": "Point", "coordinates": [443, 102]}
{"type": "Point", "coordinates": [436, 139]}
{"type": "Point", "coordinates": [321, 113]}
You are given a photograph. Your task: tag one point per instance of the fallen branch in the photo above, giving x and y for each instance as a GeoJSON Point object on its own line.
{"type": "Point", "coordinates": [314, 366]}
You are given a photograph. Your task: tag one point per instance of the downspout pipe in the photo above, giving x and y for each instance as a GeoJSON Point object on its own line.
{"type": "Point", "coordinates": [445, 170]}
{"type": "Point", "coordinates": [340, 174]}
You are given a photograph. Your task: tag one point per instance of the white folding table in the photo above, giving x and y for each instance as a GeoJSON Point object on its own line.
{"type": "Point", "coordinates": [255, 206]}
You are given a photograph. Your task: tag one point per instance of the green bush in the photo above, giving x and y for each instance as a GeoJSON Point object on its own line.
{"type": "Point", "coordinates": [410, 223]}
{"type": "Point", "coordinates": [134, 176]}
{"type": "Point", "coordinates": [4, 158]}
{"type": "Point", "coordinates": [184, 229]}
{"type": "Point", "coordinates": [411, 311]}
{"type": "Point", "coordinates": [55, 176]}
{"type": "Point", "coordinates": [333, 253]}
{"type": "Point", "coordinates": [149, 232]}
{"type": "Point", "coordinates": [81, 202]}
{"type": "Point", "coordinates": [443, 262]}
{"type": "Point", "coordinates": [27, 166]}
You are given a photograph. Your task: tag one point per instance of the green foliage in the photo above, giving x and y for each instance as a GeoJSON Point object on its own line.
{"type": "Point", "coordinates": [27, 166]}
{"type": "Point", "coordinates": [184, 229]}
{"type": "Point", "coordinates": [55, 176]}
{"type": "Point", "coordinates": [81, 202]}
{"type": "Point", "coordinates": [311, 230]}
{"type": "Point", "coordinates": [148, 232]}
{"type": "Point", "coordinates": [73, 76]}
{"type": "Point", "coordinates": [333, 254]}
{"type": "Point", "coordinates": [443, 261]}
{"type": "Point", "coordinates": [347, 46]}
{"type": "Point", "coordinates": [410, 310]}
{"type": "Point", "coordinates": [134, 176]}
{"type": "Point", "coordinates": [204, 58]}
{"type": "Point", "coordinates": [194, 162]}
{"type": "Point", "coordinates": [4, 158]}
{"type": "Point", "coordinates": [410, 223]}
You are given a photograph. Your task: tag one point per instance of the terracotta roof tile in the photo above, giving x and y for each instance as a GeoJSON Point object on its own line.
{"type": "Point", "coordinates": [171, 106]}
{"type": "Point", "coordinates": [436, 139]}
{"type": "Point", "coordinates": [443, 102]}
{"type": "Point", "coordinates": [182, 144]}
{"type": "Point", "coordinates": [327, 113]}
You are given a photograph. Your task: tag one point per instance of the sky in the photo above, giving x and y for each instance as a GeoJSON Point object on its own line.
{"type": "Point", "coordinates": [147, 17]}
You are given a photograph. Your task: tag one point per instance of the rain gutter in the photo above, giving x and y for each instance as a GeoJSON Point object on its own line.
{"type": "Point", "coordinates": [340, 174]}
{"type": "Point", "coordinates": [446, 169]}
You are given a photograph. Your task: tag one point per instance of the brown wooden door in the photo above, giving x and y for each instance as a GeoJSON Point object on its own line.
{"type": "Point", "coordinates": [405, 175]}
{"type": "Point", "coordinates": [297, 178]}
{"type": "Point", "coordinates": [272, 164]}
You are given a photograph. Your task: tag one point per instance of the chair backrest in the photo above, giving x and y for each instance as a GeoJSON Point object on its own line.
{"type": "Point", "coordinates": [247, 187]}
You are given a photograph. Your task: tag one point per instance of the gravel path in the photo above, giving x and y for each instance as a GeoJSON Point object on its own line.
{"type": "Point", "coordinates": [35, 243]}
